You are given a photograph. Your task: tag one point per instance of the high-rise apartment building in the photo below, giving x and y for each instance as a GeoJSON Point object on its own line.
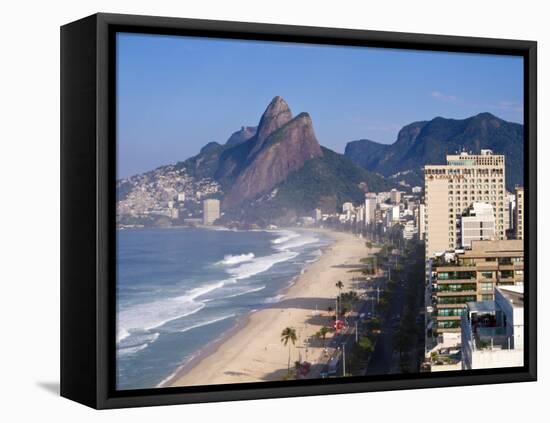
{"type": "Point", "coordinates": [520, 213]}
{"type": "Point", "coordinates": [392, 216]}
{"type": "Point", "coordinates": [509, 212]}
{"type": "Point", "coordinates": [452, 188]}
{"type": "Point", "coordinates": [395, 196]}
{"type": "Point", "coordinates": [210, 211]}
{"type": "Point", "coordinates": [472, 275]}
{"type": "Point", "coordinates": [317, 215]}
{"type": "Point", "coordinates": [370, 207]}
{"type": "Point", "coordinates": [477, 224]}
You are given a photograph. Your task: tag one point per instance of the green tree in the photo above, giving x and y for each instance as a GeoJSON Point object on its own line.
{"type": "Point", "coordinates": [322, 334]}
{"type": "Point", "coordinates": [384, 304]}
{"type": "Point", "coordinates": [288, 337]}
{"type": "Point", "coordinates": [374, 324]}
{"type": "Point", "coordinates": [366, 344]}
{"type": "Point", "coordinates": [349, 299]}
{"type": "Point", "coordinates": [339, 285]}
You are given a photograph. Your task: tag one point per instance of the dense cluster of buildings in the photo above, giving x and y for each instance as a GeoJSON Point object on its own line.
{"type": "Point", "coordinates": [472, 227]}
{"type": "Point", "coordinates": [168, 194]}
{"type": "Point", "coordinates": [380, 212]}
{"type": "Point", "coordinates": [473, 230]}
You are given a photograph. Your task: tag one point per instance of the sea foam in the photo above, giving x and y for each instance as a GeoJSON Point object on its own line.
{"type": "Point", "coordinates": [230, 260]}
{"type": "Point", "coordinates": [138, 319]}
{"type": "Point", "coordinates": [296, 242]}
{"type": "Point", "coordinates": [260, 264]}
{"type": "Point", "coordinates": [285, 237]}
{"type": "Point", "coordinates": [206, 322]}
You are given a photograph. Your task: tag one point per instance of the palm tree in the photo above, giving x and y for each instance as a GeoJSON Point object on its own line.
{"type": "Point", "coordinates": [338, 285]}
{"type": "Point", "coordinates": [349, 299]}
{"type": "Point", "coordinates": [288, 336]}
{"type": "Point", "coordinates": [322, 333]}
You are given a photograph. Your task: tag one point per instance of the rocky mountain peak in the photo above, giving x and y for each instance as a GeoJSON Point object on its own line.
{"type": "Point", "coordinates": [275, 116]}
{"type": "Point", "coordinates": [283, 151]}
{"type": "Point", "coordinates": [240, 136]}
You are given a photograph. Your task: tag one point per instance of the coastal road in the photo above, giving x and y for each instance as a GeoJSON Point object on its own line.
{"type": "Point", "coordinates": [382, 357]}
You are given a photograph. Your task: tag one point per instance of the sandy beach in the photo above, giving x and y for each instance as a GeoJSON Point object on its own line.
{"type": "Point", "coordinates": [253, 351]}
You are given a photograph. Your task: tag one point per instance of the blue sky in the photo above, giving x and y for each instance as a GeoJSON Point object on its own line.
{"type": "Point", "coordinates": [175, 94]}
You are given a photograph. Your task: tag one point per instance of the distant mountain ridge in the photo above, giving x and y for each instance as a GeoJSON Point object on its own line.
{"type": "Point", "coordinates": [428, 142]}
{"type": "Point", "coordinates": [277, 171]}
{"type": "Point", "coordinates": [280, 168]}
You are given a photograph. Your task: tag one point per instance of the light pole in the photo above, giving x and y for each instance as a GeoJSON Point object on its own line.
{"type": "Point", "coordinates": [344, 359]}
{"type": "Point", "coordinates": [356, 332]}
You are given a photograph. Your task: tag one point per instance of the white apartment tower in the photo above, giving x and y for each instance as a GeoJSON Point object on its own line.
{"type": "Point", "coordinates": [510, 211]}
{"type": "Point", "coordinates": [370, 207]}
{"type": "Point", "coordinates": [477, 224]}
{"type": "Point", "coordinates": [210, 211]}
{"type": "Point", "coordinates": [317, 215]}
{"type": "Point", "coordinates": [452, 188]}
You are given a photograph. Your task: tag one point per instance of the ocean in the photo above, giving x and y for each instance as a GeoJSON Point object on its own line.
{"type": "Point", "coordinates": [180, 289]}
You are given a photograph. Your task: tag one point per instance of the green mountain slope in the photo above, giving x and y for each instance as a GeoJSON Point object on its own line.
{"type": "Point", "coordinates": [324, 182]}
{"type": "Point", "coordinates": [423, 143]}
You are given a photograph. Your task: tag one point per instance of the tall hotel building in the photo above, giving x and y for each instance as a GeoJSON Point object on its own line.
{"type": "Point", "coordinates": [451, 189]}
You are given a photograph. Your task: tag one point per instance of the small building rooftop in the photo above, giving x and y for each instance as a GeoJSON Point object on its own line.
{"type": "Point", "coordinates": [513, 294]}
{"type": "Point", "coordinates": [482, 306]}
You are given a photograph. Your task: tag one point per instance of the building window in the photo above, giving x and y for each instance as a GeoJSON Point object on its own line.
{"type": "Point", "coordinates": [486, 286]}
{"type": "Point", "coordinates": [449, 324]}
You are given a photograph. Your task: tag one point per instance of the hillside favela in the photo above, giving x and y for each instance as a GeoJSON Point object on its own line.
{"type": "Point", "coordinates": [270, 257]}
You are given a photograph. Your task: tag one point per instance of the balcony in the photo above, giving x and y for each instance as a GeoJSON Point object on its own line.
{"type": "Point", "coordinates": [450, 305]}
{"type": "Point", "coordinates": [492, 338]}
{"type": "Point", "coordinates": [482, 327]}
{"type": "Point", "coordinates": [508, 280]}
{"type": "Point", "coordinates": [507, 266]}
{"type": "Point", "coordinates": [487, 266]}
{"type": "Point", "coordinates": [446, 330]}
{"type": "Point", "coordinates": [457, 280]}
{"type": "Point", "coordinates": [455, 293]}
{"type": "Point", "coordinates": [453, 267]}
{"type": "Point", "coordinates": [446, 318]}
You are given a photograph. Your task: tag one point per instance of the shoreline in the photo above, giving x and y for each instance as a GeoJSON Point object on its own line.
{"type": "Point", "coordinates": [251, 351]}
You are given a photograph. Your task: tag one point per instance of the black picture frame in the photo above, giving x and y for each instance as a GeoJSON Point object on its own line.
{"type": "Point", "coordinates": [88, 150]}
